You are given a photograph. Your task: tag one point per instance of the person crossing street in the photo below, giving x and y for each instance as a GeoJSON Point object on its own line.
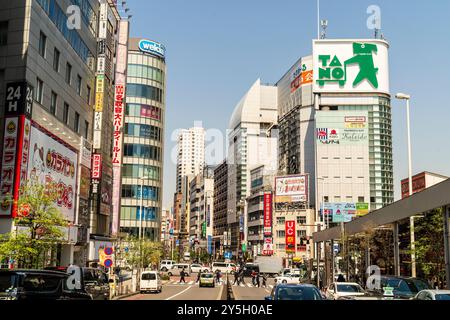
{"type": "Point", "coordinates": [182, 275]}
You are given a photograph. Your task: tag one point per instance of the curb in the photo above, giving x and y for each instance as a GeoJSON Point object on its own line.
{"type": "Point", "coordinates": [125, 296]}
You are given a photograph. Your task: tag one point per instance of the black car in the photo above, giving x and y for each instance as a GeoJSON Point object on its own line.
{"type": "Point", "coordinates": [93, 280]}
{"type": "Point", "coordinates": [37, 285]}
{"type": "Point", "coordinates": [403, 287]}
{"type": "Point", "coordinates": [302, 292]}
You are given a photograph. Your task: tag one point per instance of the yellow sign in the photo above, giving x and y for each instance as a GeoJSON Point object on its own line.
{"type": "Point", "coordinates": [99, 102]}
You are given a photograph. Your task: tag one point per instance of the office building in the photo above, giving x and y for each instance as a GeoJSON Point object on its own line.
{"type": "Point", "coordinates": [220, 225]}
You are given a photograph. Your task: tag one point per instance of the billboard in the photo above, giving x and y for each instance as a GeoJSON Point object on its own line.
{"type": "Point", "coordinates": [291, 189]}
{"type": "Point", "coordinates": [290, 236]}
{"type": "Point", "coordinates": [344, 211]}
{"type": "Point", "coordinates": [335, 128]}
{"type": "Point", "coordinates": [302, 74]}
{"type": "Point", "coordinates": [267, 214]}
{"type": "Point", "coordinates": [54, 162]}
{"type": "Point", "coordinates": [351, 66]}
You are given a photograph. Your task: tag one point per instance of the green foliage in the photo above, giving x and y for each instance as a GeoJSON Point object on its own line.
{"type": "Point", "coordinates": [143, 253]}
{"type": "Point", "coordinates": [38, 232]}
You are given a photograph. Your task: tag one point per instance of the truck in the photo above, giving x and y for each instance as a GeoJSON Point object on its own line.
{"type": "Point", "coordinates": [269, 265]}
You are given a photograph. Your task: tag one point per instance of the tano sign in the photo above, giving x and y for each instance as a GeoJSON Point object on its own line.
{"type": "Point", "coordinates": [351, 66]}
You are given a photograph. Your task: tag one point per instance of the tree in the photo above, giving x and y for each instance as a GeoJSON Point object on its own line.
{"type": "Point", "coordinates": [143, 253]}
{"type": "Point", "coordinates": [429, 236]}
{"type": "Point", "coordinates": [38, 227]}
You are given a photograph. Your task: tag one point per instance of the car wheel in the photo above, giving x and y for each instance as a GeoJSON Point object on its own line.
{"type": "Point", "coordinates": [164, 269]}
{"type": "Point", "coordinates": [169, 274]}
{"type": "Point", "coordinates": [284, 281]}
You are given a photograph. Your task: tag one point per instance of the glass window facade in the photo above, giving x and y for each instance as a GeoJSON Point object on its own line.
{"type": "Point", "coordinates": [133, 213]}
{"type": "Point", "coordinates": [144, 111]}
{"type": "Point", "coordinates": [146, 72]}
{"type": "Point", "coordinates": [142, 151]}
{"type": "Point", "coordinates": [134, 191]}
{"type": "Point", "coordinates": [59, 18]}
{"type": "Point", "coordinates": [142, 131]}
{"type": "Point", "coordinates": [138, 171]}
{"type": "Point", "coordinates": [144, 91]}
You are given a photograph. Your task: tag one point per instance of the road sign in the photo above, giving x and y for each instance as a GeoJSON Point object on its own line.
{"type": "Point", "coordinates": [228, 255]}
{"type": "Point", "coordinates": [108, 251]}
{"type": "Point", "coordinates": [108, 263]}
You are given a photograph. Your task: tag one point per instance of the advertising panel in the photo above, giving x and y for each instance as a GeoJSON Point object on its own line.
{"type": "Point", "coordinates": [96, 166]}
{"type": "Point", "coordinates": [291, 189]}
{"type": "Point", "coordinates": [153, 47]}
{"type": "Point", "coordinates": [351, 66]}
{"type": "Point", "coordinates": [302, 75]}
{"type": "Point", "coordinates": [118, 124]}
{"type": "Point", "coordinates": [342, 128]}
{"type": "Point", "coordinates": [267, 214]}
{"type": "Point", "coordinates": [362, 209]}
{"type": "Point", "coordinates": [150, 112]}
{"type": "Point", "coordinates": [8, 173]}
{"type": "Point", "coordinates": [52, 162]}
{"type": "Point", "coordinates": [290, 236]}
{"type": "Point", "coordinates": [341, 211]}
{"type": "Point", "coordinates": [268, 247]}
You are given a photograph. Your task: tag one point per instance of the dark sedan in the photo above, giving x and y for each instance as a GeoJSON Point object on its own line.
{"type": "Point", "coordinates": [305, 292]}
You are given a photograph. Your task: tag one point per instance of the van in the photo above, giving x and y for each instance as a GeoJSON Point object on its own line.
{"type": "Point", "coordinates": [224, 267]}
{"type": "Point", "coordinates": [166, 265]}
{"type": "Point", "coordinates": [177, 268]}
{"type": "Point", "coordinates": [150, 281]}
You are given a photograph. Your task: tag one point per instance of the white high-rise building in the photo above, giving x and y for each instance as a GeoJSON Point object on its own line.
{"type": "Point", "coordinates": [190, 153]}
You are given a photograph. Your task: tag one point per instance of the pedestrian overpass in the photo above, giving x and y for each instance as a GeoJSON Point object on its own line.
{"type": "Point", "coordinates": [437, 196]}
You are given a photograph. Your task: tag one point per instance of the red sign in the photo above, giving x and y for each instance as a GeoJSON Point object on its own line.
{"type": "Point", "coordinates": [150, 112]}
{"type": "Point", "coordinates": [268, 214]}
{"type": "Point", "coordinates": [118, 124]}
{"type": "Point", "coordinates": [419, 184]}
{"type": "Point", "coordinates": [96, 166]}
{"type": "Point", "coordinates": [290, 236]}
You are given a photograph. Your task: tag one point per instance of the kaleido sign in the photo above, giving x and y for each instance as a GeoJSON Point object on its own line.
{"type": "Point", "coordinates": [342, 127]}
{"type": "Point", "coordinates": [351, 66]}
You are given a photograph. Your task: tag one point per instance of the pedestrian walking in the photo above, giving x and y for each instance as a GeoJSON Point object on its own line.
{"type": "Point", "coordinates": [257, 279]}
{"type": "Point", "coordinates": [182, 275]}
{"type": "Point", "coordinates": [254, 278]}
{"type": "Point", "coordinates": [217, 276]}
{"type": "Point", "coordinates": [198, 276]}
{"type": "Point", "coordinates": [236, 277]}
{"type": "Point", "coordinates": [241, 276]}
{"type": "Point", "coordinates": [264, 277]}
{"type": "Point", "coordinates": [340, 278]}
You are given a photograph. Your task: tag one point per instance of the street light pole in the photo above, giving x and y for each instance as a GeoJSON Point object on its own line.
{"type": "Point", "coordinates": [402, 96]}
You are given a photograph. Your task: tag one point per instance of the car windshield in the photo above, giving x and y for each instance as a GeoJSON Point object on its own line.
{"type": "Point", "coordinates": [7, 282]}
{"type": "Point", "coordinates": [443, 296]}
{"type": "Point", "coordinates": [148, 276]}
{"type": "Point", "coordinates": [419, 285]}
{"type": "Point", "coordinates": [207, 275]}
{"type": "Point", "coordinates": [298, 293]}
{"type": "Point", "coordinates": [349, 288]}
{"type": "Point", "coordinates": [407, 286]}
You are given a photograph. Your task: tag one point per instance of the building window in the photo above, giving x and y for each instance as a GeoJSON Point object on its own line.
{"type": "Point", "coordinates": [88, 95]}
{"type": "Point", "coordinates": [39, 90]}
{"type": "Point", "coordinates": [361, 199]}
{"type": "Point", "coordinates": [76, 124]}
{"type": "Point", "coordinates": [3, 33]}
{"type": "Point", "coordinates": [86, 129]}
{"type": "Point", "coordinates": [42, 44]}
{"type": "Point", "coordinates": [66, 113]}
{"type": "Point", "coordinates": [53, 103]}
{"type": "Point", "coordinates": [68, 73]}
{"type": "Point", "coordinates": [79, 81]}
{"type": "Point", "coordinates": [56, 57]}
{"type": "Point", "coordinates": [301, 220]}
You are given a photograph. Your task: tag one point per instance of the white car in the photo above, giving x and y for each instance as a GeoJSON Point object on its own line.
{"type": "Point", "coordinates": [177, 268]}
{"type": "Point", "coordinates": [436, 295]}
{"type": "Point", "coordinates": [338, 290]}
{"type": "Point", "coordinates": [150, 281]}
{"type": "Point", "coordinates": [224, 267]}
{"type": "Point", "coordinates": [166, 265]}
{"type": "Point", "coordinates": [291, 278]}
{"type": "Point", "coordinates": [196, 268]}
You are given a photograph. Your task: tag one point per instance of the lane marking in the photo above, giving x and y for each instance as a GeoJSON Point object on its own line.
{"type": "Point", "coordinates": [176, 295]}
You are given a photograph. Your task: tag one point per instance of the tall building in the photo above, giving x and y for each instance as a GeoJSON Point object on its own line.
{"type": "Point", "coordinates": [47, 83]}
{"type": "Point", "coordinates": [191, 153]}
{"type": "Point", "coordinates": [220, 225]}
{"type": "Point", "coordinates": [250, 145]}
{"type": "Point", "coordinates": [142, 170]}
{"type": "Point", "coordinates": [335, 124]}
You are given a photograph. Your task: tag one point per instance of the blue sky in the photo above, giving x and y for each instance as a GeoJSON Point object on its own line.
{"type": "Point", "coordinates": [217, 49]}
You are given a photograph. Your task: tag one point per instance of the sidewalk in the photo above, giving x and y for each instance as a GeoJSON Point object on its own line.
{"type": "Point", "coordinates": [133, 293]}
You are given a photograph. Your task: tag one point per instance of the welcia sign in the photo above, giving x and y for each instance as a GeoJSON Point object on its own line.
{"type": "Point", "coordinates": [152, 47]}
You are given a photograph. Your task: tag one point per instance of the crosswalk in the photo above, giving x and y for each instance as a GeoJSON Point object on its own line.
{"type": "Point", "coordinates": [191, 283]}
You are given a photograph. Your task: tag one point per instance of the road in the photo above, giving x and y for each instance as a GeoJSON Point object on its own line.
{"type": "Point", "coordinates": [173, 290]}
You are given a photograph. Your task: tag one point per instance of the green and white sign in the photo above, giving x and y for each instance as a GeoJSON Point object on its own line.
{"type": "Point", "coordinates": [351, 66]}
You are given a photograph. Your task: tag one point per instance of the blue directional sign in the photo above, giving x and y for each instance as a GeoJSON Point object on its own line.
{"type": "Point", "coordinates": [228, 255]}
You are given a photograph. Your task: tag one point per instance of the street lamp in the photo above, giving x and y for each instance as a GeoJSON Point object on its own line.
{"type": "Point", "coordinates": [403, 96]}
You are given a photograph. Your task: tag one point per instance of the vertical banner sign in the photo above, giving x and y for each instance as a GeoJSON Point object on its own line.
{"type": "Point", "coordinates": [268, 214]}
{"type": "Point", "coordinates": [10, 143]}
{"type": "Point", "coordinates": [119, 114]}
{"type": "Point", "coordinates": [290, 236]}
